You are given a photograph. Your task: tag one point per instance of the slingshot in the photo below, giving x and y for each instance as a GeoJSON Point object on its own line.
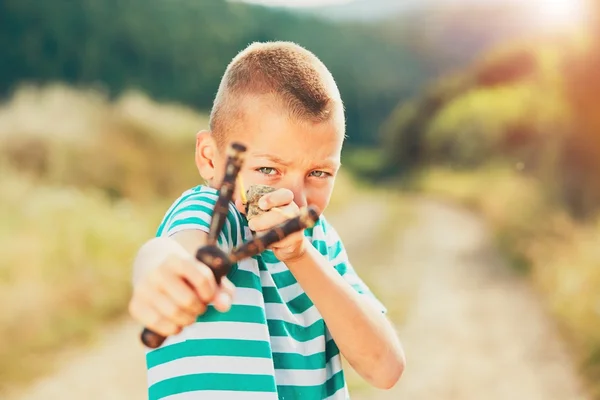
{"type": "Point", "coordinates": [216, 259]}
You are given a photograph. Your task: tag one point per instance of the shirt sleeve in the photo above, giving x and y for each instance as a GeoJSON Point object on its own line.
{"type": "Point", "coordinates": [339, 258]}
{"type": "Point", "coordinates": [193, 210]}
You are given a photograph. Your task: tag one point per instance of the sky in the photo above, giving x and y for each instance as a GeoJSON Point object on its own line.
{"type": "Point", "coordinates": [554, 13]}
{"type": "Point", "coordinates": [296, 3]}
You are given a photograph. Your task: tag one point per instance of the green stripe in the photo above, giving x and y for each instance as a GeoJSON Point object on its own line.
{"type": "Point", "coordinates": [300, 304]}
{"type": "Point", "coordinates": [324, 224]}
{"type": "Point", "coordinates": [296, 332]}
{"type": "Point", "coordinates": [269, 257]}
{"type": "Point", "coordinates": [341, 268]}
{"type": "Point", "coordinates": [237, 313]}
{"type": "Point", "coordinates": [271, 295]}
{"type": "Point", "coordinates": [283, 279]}
{"type": "Point", "coordinates": [333, 384]}
{"type": "Point", "coordinates": [262, 266]}
{"type": "Point", "coordinates": [299, 361]}
{"type": "Point", "coordinates": [297, 305]}
{"type": "Point", "coordinates": [321, 246]}
{"type": "Point", "coordinates": [335, 250]}
{"type": "Point", "coordinates": [331, 349]}
{"type": "Point", "coordinates": [208, 347]}
{"type": "Point", "coordinates": [188, 383]}
{"type": "Point", "coordinates": [246, 279]}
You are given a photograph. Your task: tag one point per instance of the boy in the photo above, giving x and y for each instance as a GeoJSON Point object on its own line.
{"type": "Point", "coordinates": [275, 327]}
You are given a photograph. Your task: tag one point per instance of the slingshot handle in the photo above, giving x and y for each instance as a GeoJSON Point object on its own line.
{"type": "Point", "coordinates": [306, 219]}
{"type": "Point", "coordinates": [151, 339]}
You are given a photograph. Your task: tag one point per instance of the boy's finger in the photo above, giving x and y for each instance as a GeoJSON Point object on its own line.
{"type": "Point", "coordinates": [199, 276]}
{"type": "Point", "coordinates": [227, 286]}
{"type": "Point", "coordinates": [169, 311]}
{"type": "Point", "coordinates": [224, 297]}
{"type": "Point", "coordinates": [164, 327]}
{"type": "Point", "coordinates": [148, 316]}
{"type": "Point", "coordinates": [279, 197]}
{"type": "Point", "coordinates": [271, 218]}
{"type": "Point", "coordinates": [183, 295]}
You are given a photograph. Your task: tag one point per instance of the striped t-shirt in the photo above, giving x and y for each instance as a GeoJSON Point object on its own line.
{"type": "Point", "coordinates": [272, 343]}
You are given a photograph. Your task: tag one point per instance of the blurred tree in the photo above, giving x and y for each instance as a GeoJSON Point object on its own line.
{"type": "Point", "coordinates": [532, 104]}
{"type": "Point", "coordinates": [178, 50]}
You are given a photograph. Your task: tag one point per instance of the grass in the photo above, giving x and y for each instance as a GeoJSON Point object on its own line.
{"type": "Point", "coordinates": [65, 258]}
{"type": "Point", "coordinates": [84, 181]}
{"type": "Point", "coordinates": [560, 255]}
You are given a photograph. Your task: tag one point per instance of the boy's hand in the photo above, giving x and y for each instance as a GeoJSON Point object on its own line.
{"type": "Point", "coordinates": [279, 206]}
{"type": "Point", "coordinates": [173, 294]}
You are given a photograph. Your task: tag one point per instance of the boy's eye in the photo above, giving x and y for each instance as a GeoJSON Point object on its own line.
{"type": "Point", "coordinates": [319, 174]}
{"type": "Point", "coordinates": [267, 170]}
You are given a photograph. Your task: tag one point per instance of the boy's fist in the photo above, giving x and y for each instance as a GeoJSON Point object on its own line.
{"type": "Point", "coordinates": [278, 207]}
{"type": "Point", "coordinates": [173, 294]}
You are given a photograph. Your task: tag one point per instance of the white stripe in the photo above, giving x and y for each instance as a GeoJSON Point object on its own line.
{"type": "Point", "coordinates": [225, 246]}
{"type": "Point", "coordinates": [210, 364]}
{"type": "Point", "coordinates": [289, 293]}
{"type": "Point", "coordinates": [222, 395]}
{"type": "Point", "coordinates": [266, 280]}
{"type": "Point", "coordinates": [277, 267]}
{"type": "Point", "coordinates": [353, 279]}
{"type": "Point", "coordinates": [318, 233]}
{"type": "Point", "coordinates": [248, 264]}
{"type": "Point", "coordinates": [192, 214]}
{"type": "Point", "coordinates": [173, 230]}
{"type": "Point", "coordinates": [277, 311]}
{"type": "Point", "coordinates": [247, 297]}
{"type": "Point", "coordinates": [305, 377]}
{"type": "Point", "coordinates": [221, 330]}
{"type": "Point", "coordinates": [287, 344]}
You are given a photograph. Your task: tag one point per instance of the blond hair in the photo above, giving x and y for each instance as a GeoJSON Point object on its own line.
{"type": "Point", "coordinates": [289, 73]}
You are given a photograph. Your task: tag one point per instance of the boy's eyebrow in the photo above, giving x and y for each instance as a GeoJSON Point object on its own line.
{"type": "Point", "coordinates": [273, 158]}
{"type": "Point", "coordinates": [278, 160]}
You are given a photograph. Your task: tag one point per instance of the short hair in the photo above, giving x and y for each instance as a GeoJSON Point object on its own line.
{"type": "Point", "coordinates": [286, 71]}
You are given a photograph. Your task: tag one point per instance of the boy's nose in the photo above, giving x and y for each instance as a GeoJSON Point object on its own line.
{"type": "Point", "coordinates": [299, 196]}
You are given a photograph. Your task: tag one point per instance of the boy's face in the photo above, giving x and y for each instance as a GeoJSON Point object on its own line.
{"type": "Point", "coordinates": [300, 156]}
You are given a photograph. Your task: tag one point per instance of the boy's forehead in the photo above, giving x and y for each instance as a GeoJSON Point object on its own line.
{"type": "Point", "coordinates": [268, 130]}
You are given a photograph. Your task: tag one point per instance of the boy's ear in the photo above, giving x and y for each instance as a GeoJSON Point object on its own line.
{"type": "Point", "coordinates": [206, 155]}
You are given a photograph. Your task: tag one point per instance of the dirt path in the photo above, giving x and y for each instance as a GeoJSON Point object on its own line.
{"type": "Point", "coordinates": [472, 331]}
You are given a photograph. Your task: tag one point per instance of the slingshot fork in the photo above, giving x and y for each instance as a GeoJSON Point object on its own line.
{"type": "Point", "coordinates": [216, 259]}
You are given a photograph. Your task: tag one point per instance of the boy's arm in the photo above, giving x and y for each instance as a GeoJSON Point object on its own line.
{"type": "Point", "coordinates": [154, 252]}
{"type": "Point", "coordinates": [170, 287]}
{"type": "Point", "coordinates": [363, 334]}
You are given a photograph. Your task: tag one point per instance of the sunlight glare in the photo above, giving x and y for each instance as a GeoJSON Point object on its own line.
{"type": "Point", "coordinates": [562, 13]}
